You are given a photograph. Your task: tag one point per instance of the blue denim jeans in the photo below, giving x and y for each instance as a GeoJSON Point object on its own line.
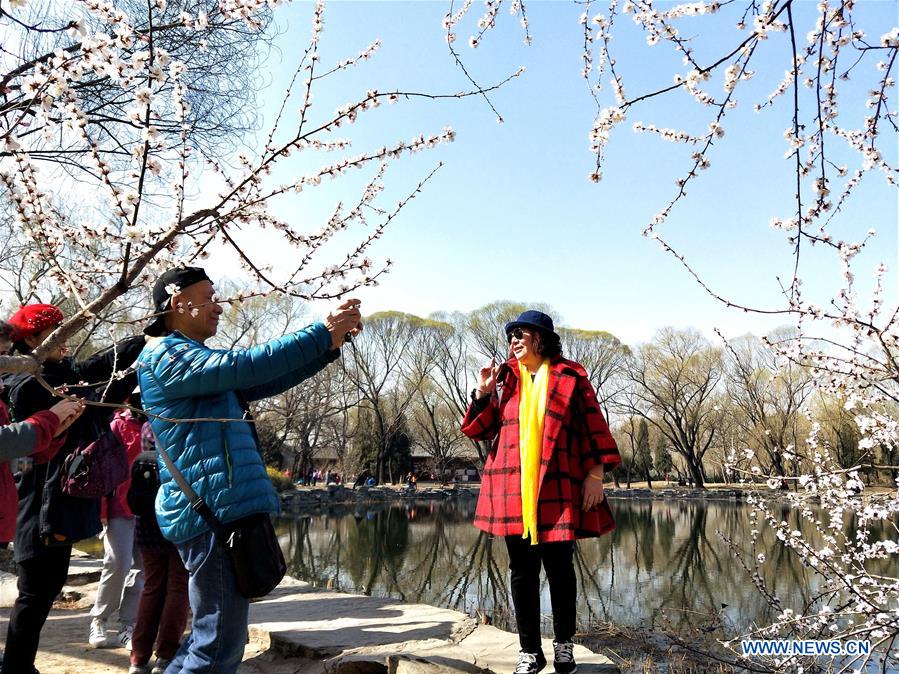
{"type": "Point", "coordinates": [219, 628]}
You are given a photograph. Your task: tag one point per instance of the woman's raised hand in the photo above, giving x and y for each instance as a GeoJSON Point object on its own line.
{"type": "Point", "coordinates": [487, 378]}
{"type": "Point", "coordinates": [66, 411]}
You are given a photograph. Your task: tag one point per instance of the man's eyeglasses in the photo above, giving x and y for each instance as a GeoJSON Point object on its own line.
{"type": "Point", "coordinates": [517, 333]}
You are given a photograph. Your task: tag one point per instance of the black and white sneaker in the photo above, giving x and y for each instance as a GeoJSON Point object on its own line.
{"type": "Point", "coordinates": [530, 663]}
{"type": "Point", "coordinates": [563, 657]}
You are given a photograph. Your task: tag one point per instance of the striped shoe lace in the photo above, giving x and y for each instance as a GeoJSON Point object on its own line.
{"type": "Point", "coordinates": [527, 663]}
{"type": "Point", "coordinates": [564, 652]}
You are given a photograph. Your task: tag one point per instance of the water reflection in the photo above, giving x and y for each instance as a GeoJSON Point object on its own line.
{"type": "Point", "coordinates": [664, 566]}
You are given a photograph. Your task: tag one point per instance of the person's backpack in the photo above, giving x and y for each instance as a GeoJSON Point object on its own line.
{"type": "Point", "coordinates": [94, 469]}
{"type": "Point", "coordinates": [145, 482]}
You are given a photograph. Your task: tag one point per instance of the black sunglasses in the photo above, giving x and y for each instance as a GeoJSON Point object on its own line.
{"type": "Point", "coordinates": [517, 333]}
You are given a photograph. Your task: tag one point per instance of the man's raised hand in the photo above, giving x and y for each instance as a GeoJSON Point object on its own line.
{"type": "Point", "coordinates": [344, 321]}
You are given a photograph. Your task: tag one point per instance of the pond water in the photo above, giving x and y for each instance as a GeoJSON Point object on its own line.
{"type": "Point", "coordinates": [666, 566]}
{"type": "Point", "coordinates": [670, 566]}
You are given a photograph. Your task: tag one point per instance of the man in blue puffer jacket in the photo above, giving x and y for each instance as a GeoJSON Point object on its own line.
{"type": "Point", "coordinates": [181, 378]}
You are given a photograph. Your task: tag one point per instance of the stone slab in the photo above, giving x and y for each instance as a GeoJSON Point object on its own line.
{"type": "Point", "coordinates": [431, 656]}
{"type": "Point", "coordinates": [356, 634]}
{"type": "Point", "coordinates": [312, 620]}
{"type": "Point", "coordinates": [498, 650]}
{"type": "Point", "coordinates": [9, 589]}
{"type": "Point", "coordinates": [84, 569]}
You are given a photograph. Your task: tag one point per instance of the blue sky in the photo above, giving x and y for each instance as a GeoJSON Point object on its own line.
{"type": "Point", "coordinates": [511, 215]}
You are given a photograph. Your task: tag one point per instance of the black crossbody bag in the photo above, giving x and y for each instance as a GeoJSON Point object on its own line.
{"type": "Point", "coordinates": [250, 542]}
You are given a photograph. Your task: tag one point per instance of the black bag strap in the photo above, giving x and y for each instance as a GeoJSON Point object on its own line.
{"type": "Point", "coordinates": [196, 502]}
{"type": "Point", "coordinates": [248, 415]}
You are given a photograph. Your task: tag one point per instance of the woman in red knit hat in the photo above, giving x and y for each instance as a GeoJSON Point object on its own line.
{"type": "Point", "coordinates": [38, 436]}
{"type": "Point", "coordinates": [49, 521]}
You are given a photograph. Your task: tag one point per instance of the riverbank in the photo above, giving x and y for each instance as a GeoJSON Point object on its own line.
{"type": "Point", "coordinates": [302, 499]}
{"type": "Point", "coordinates": [302, 629]}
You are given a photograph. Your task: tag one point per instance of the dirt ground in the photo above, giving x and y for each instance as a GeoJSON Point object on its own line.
{"type": "Point", "coordinates": [64, 649]}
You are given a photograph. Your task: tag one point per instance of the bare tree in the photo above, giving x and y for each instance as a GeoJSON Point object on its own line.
{"type": "Point", "coordinates": [675, 378]}
{"type": "Point", "coordinates": [731, 441]}
{"type": "Point", "coordinates": [339, 429]}
{"type": "Point", "coordinates": [388, 368]}
{"type": "Point", "coordinates": [627, 431]}
{"type": "Point", "coordinates": [840, 433]}
{"type": "Point", "coordinates": [455, 368]}
{"type": "Point", "coordinates": [435, 427]}
{"type": "Point", "coordinates": [485, 325]}
{"type": "Point", "coordinates": [770, 393]}
{"type": "Point", "coordinates": [604, 358]}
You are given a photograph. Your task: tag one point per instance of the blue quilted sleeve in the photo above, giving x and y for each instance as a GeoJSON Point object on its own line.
{"type": "Point", "coordinates": [187, 369]}
{"type": "Point", "coordinates": [291, 379]}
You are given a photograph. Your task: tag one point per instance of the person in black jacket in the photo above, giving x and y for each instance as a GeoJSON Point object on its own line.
{"type": "Point", "coordinates": [49, 521]}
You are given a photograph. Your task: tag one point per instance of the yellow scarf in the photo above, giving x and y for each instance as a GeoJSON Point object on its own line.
{"type": "Point", "coordinates": [531, 411]}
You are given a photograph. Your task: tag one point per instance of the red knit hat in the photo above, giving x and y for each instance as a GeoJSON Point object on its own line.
{"type": "Point", "coordinates": [32, 319]}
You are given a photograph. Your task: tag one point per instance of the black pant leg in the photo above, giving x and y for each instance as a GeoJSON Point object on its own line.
{"type": "Point", "coordinates": [40, 580]}
{"type": "Point", "coordinates": [524, 564]}
{"type": "Point", "coordinates": [558, 562]}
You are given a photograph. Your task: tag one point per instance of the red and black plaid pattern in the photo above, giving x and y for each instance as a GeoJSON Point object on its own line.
{"type": "Point", "coordinates": [575, 438]}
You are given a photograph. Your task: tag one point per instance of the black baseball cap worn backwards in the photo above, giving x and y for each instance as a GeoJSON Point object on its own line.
{"type": "Point", "coordinates": [171, 282]}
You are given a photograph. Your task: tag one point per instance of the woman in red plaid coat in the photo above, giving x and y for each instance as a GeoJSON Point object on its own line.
{"type": "Point", "coordinates": [542, 486]}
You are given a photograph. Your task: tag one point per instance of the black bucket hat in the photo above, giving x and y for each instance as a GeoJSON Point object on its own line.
{"type": "Point", "coordinates": [171, 282]}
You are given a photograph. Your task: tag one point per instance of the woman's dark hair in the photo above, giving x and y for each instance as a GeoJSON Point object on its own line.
{"type": "Point", "coordinates": [21, 347]}
{"type": "Point", "coordinates": [6, 332]}
{"type": "Point", "coordinates": [550, 344]}
{"type": "Point", "coordinates": [134, 401]}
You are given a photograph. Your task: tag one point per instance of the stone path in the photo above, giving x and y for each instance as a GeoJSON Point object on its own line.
{"type": "Point", "coordinates": [299, 629]}
{"type": "Point", "coordinates": [357, 634]}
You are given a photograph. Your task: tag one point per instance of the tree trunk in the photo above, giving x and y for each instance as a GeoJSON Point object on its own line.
{"type": "Point", "coordinates": [777, 462]}
{"type": "Point", "coordinates": [382, 450]}
{"type": "Point", "coordinates": [696, 473]}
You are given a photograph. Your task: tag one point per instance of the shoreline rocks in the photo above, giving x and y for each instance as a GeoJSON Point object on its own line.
{"type": "Point", "coordinates": [734, 494]}
{"type": "Point", "coordinates": [304, 499]}
{"type": "Point", "coordinates": [333, 494]}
